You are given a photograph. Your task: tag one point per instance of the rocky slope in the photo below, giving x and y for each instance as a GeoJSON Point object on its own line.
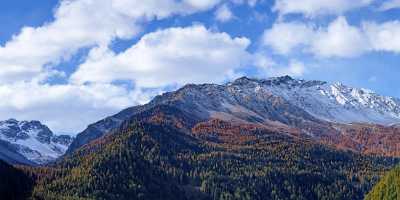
{"type": "Point", "coordinates": [334, 102]}
{"type": "Point", "coordinates": [28, 142]}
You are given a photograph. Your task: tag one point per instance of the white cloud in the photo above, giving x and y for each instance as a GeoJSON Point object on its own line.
{"type": "Point", "coordinates": [79, 24]}
{"type": "Point", "coordinates": [150, 9]}
{"type": "Point", "coordinates": [390, 4]}
{"type": "Point", "coordinates": [283, 37]}
{"type": "Point", "coordinates": [224, 14]}
{"type": "Point", "coordinates": [383, 37]}
{"type": "Point", "coordinates": [165, 57]}
{"type": "Point", "coordinates": [200, 5]}
{"type": "Point", "coordinates": [313, 8]}
{"type": "Point", "coordinates": [339, 40]}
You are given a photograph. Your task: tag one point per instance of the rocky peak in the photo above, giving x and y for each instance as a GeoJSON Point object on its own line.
{"type": "Point", "coordinates": [243, 81]}
{"type": "Point", "coordinates": [282, 81]}
{"type": "Point", "coordinates": [33, 140]}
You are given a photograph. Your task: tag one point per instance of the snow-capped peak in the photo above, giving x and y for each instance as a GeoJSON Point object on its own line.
{"type": "Point", "coordinates": [333, 102]}
{"type": "Point", "coordinates": [33, 140]}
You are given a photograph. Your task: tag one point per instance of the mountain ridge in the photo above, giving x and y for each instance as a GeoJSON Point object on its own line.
{"type": "Point", "coordinates": [279, 100]}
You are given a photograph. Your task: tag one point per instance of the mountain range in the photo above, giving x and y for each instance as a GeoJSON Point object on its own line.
{"type": "Point", "coordinates": [247, 139]}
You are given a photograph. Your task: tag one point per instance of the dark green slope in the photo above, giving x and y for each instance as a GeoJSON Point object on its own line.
{"type": "Point", "coordinates": [127, 165]}
{"type": "Point", "coordinates": [159, 161]}
{"type": "Point", "coordinates": [388, 188]}
{"type": "Point", "coordinates": [14, 183]}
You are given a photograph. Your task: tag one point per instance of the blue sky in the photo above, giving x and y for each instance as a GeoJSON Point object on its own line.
{"type": "Point", "coordinates": [63, 59]}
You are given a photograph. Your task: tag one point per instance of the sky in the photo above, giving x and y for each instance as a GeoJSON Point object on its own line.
{"type": "Point", "coordinates": [69, 63]}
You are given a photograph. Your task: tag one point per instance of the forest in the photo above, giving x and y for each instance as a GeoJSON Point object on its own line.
{"type": "Point", "coordinates": [144, 160]}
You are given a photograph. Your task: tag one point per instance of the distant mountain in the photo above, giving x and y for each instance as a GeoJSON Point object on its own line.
{"type": "Point", "coordinates": [30, 142]}
{"type": "Point", "coordinates": [314, 108]}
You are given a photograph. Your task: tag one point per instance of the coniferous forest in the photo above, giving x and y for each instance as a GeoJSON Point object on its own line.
{"type": "Point", "coordinates": [158, 161]}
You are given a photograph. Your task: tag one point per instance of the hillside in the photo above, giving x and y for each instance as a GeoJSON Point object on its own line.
{"type": "Point", "coordinates": [153, 156]}
{"type": "Point", "coordinates": [14, 183]}
{"type": "Point", "coordinates": [334, 114]}
{"type": "Point", "coordinates": [388, 188]}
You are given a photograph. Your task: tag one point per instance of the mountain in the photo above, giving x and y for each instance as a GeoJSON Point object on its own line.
{"type": "Point", "coordinates": [30, 142]}
{"type": "Point", "coordinates": [315, 109]}
{"type": "Point", "coordinates": [387, 188]}
{"type": "Point", "coordinates": [241, 140]}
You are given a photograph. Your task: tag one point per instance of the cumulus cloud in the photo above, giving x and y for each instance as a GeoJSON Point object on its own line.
{"type": "Point", "coordinates": [224, 14]}
{"type": "Point", "coordinates": [338, 39]}
{"type": "Point", "coordinates": [313, 8]}
{"type": "Point", "coordinates": [80, 24]}
{"type": "Point", "coordinates": [383, 37]}
{"type": "Point", "coordinates": [171, 56]}
{"type": "Point", "coordinates": [283, 37]}
{"type": "Point", "coordinates": [390, 4]}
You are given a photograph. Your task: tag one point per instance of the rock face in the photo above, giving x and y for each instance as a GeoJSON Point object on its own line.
{"type": "Point", "coordinates": [313, 108]}
{"type": "Point", "coordinates": [334, 102]}
{"type": "Point", "coordinates": [30, 142]}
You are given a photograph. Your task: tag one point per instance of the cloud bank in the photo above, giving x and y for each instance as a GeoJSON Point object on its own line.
{"type": "Point", "coordinates": [339, 39]}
